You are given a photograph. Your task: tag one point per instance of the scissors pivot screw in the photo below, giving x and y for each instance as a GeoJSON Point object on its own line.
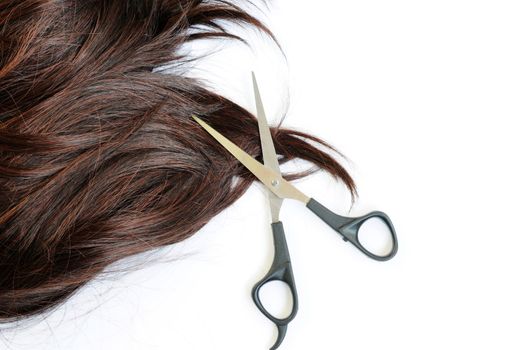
{"type": "Point", "coordinates": [274, 183]}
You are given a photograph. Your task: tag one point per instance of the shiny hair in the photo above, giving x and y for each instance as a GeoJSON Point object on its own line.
{"type": "Point", "coordinates": [99, 156]}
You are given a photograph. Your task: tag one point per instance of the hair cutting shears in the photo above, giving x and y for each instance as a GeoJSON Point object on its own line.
{"type": "Point", "coordinates": [278, 189]}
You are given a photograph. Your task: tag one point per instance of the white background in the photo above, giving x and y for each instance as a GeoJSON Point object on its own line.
{"type": "Point", "coordinates": [427, 100]}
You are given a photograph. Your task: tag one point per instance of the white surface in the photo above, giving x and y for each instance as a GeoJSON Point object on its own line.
{"type": "Point", "coordinates": [428, 101]}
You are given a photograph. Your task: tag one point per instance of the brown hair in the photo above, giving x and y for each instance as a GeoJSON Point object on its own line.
{"type": "Point", "coordinates": [99, 156]}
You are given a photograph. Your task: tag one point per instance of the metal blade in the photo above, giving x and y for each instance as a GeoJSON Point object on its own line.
{"type": "Point", "coordinates": [269, 153]}
{"type": "Point", "coordinates": [270, 178]}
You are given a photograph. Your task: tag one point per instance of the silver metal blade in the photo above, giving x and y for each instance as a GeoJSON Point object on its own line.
{"type": "Point", "coordinates": [270, 178]}
{"type": "Point", "coordinates": [269, 153]}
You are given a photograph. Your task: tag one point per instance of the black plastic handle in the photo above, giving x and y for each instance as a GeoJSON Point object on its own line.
{"type": "Point", "coordinates": [280, 270]}
{"type": "Point", "coordinates": [348, 227]}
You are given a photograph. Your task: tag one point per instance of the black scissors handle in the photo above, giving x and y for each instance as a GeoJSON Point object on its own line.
{"type": "Point", "coordinates": [348, 227]}
{"type": "Point", "coordinates": [280, 270]}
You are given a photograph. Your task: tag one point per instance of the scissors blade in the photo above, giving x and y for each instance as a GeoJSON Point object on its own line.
{"type": "Point", "coordinates": [270, 178]}
{"type": "Point", "coordinates": [269, 153]}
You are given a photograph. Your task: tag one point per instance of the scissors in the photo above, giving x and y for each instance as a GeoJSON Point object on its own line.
{"type": "Point", "coordinates": [278, 189]}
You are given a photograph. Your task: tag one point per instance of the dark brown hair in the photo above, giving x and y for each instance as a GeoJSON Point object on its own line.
{"type": "Point", "coordinates": [99, 156]}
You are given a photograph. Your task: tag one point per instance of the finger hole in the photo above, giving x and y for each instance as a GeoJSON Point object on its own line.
{"type": "Point", "coordinates": [277, 298]}
{"type": "Point", "coordinates": [375, 236]}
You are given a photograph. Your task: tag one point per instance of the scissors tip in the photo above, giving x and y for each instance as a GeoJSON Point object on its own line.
{"type": "Point", "coordinates": [201, 123]}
